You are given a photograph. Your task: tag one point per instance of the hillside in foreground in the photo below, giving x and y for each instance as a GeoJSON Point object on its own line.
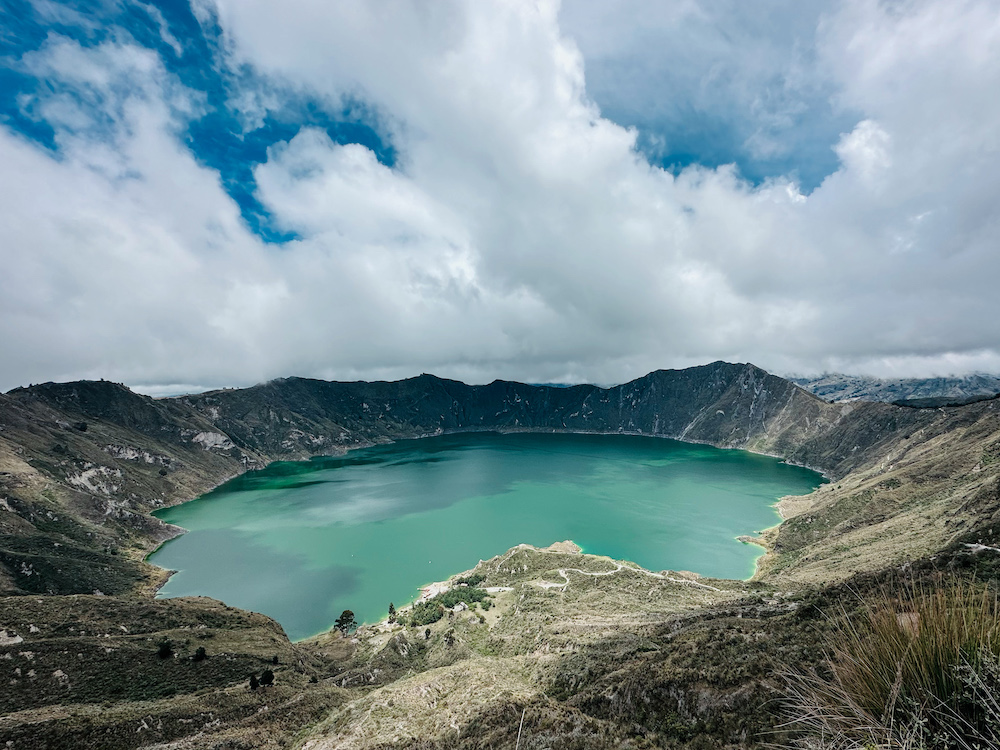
{"type": "Point", "coordinates": [589, 652]}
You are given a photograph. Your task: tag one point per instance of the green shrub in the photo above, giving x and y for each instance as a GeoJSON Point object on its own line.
{"type": "Point", "coordinates": [425, 613]}
{"type": "Point", "coordinates": [469, 595]}
{"type": "Point", "coordinates": [433, 609]}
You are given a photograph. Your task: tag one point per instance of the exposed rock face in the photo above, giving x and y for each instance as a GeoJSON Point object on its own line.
{"type": "Point", "coordinates": [727, 405]}
{"type": "Point", "coordinates": [738, 406]}
{"type": "Point", "coordinates": [722, 404]}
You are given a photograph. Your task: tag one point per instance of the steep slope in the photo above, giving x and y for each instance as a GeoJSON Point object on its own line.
{"type": "Point", "coordinates": [916, 492]}
{"type": "Point", "coordinates": [723, 404]}
{"type": "Point", "coordinates": [81, 465]}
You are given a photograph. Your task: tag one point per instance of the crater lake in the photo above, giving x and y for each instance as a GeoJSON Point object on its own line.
{"type": "Point", "coordinates": [303, 541]}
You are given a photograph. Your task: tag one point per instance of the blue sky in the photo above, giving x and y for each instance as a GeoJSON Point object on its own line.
{"type": "Point", "coordinates": [220, 138]}
{"type": "Point", "coordinates": [634, 90]}
{"type": "Point", "coordinates": [218, 192]}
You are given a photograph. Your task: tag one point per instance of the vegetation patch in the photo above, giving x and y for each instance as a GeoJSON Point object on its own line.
{"type": "Point", "coordinates": [432, 610]}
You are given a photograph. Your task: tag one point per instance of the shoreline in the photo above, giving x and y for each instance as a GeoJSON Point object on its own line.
{"type": "Point", "coordinates": [178, 531]}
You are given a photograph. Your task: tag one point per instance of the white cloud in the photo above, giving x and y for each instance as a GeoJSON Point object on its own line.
{"type": "Point", "coordinates": [520, 234]}
{"type": "Point", "coordinates": [865, 152]}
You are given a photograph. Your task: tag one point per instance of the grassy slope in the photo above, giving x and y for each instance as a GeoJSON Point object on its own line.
{"type": "Point", "coordinates": [918, 493]}
{"type": "Point", "coordinates": [85, 671]}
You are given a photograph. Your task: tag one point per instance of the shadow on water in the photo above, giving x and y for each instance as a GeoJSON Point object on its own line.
{"type": "Point", "coordinates": [258, 578]}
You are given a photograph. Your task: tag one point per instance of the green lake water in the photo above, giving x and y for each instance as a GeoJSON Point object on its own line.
{"type": "Point", "coordinates": [303, 541]}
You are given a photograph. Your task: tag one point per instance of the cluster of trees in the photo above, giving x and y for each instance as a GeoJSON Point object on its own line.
{"type": "Point", "coordinates": [470, 595]}
{"type": "Point", "coordinates": [433, 609]}
{"type": "Point", "coordinates": [424, 614]}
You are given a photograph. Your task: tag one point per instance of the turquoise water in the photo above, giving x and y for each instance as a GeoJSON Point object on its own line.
{"type": "Point", "coordinates": [303, 541]}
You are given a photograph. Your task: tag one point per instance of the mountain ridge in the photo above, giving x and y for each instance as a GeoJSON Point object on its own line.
{"type": "Point", "coordinates": [718, 403]}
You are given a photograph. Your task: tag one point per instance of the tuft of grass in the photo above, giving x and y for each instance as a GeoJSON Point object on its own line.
{"type": "Point", "coordinates": [919, 669]}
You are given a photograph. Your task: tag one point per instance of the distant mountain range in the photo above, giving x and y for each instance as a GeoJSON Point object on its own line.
{"type": "Point", "coordinates": [920, 392]}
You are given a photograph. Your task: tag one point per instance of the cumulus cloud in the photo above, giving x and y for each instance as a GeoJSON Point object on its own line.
{"type": "Point", "coordinates": [520, 232]}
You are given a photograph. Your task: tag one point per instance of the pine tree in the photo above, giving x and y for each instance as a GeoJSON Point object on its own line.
{"type": "Point", "coordinates": [254, 684]}
{"type": "Point", "coordinates": [392, 612]}
{"type": "Point", "coordinates": [267, 678]}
